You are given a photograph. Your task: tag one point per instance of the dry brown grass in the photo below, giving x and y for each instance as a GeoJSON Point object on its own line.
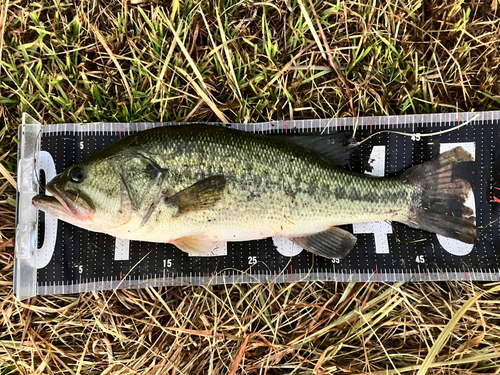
{"type": "Point", "coordinates": [245, 61]}
{"type": "Point", "coordinates": [313, 328]}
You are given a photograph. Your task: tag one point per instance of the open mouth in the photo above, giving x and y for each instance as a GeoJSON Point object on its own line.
{"type": "Point", "coordinates": [62, 204]}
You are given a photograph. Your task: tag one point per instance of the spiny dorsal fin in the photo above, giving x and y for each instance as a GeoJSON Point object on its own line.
{"type": "Point", "coordinates": [332, 243]}
{"type": "Point", "coordinates": [331, 146]}
{"type": "Point", "coordinates": [200, 196]}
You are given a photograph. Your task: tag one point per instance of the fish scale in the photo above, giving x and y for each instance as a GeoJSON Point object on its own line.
{"type": "Point", "coordinates": [293, 191]}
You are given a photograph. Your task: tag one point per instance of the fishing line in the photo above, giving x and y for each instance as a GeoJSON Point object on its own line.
{"type": "Point", "coordinates": [413, 134]}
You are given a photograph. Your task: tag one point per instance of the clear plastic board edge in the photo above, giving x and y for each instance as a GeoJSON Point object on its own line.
{"type": "Point", "coordinates": [25, 272]}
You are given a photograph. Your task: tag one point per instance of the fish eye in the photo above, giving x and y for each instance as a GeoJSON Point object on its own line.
{"type": "Point", "coordinates": [76, 174]}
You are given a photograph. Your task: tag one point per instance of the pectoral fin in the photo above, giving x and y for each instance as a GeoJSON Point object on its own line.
{"type": "Point", "coordinates": [195, 244]}
{"type": "Point", "coordinates": [332, 243]}
{"type": "Point", "coordinates": [200, 196]}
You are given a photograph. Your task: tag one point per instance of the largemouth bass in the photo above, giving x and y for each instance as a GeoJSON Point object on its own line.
{"type": "Point", "coordinates": [195, 186]}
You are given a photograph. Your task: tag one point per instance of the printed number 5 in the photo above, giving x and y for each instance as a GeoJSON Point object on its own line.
{"type": "Point", "coordinates": [81, 145]}
{"type": "Point", "coordinates": [80, 269]}
{"type": "Point", "coordinates": [252, 260]}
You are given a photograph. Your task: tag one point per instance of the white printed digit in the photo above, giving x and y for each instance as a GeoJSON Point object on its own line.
{"type": "Point", "coordinates": [122, 249]}
{"type": "Point", "coordinates": [452, 246]}
{"type": "Point", "coordinates": [380, 229]}
{"type": "Point", "coordinates": [81, 145]}
{"type": "Point", "coordinates": [44, 253]}
{"type": "Point", "coordinates": [286, 247]}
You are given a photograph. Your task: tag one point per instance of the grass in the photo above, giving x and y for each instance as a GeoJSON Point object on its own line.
{"type": "Point", "coordinates": [244, 61]}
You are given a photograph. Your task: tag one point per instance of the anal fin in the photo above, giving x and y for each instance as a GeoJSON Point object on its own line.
{"type": "Point", "coordinates": [331, 243]}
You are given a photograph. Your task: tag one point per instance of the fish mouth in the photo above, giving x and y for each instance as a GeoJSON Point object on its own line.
{"type": "Point", "coordinates": [64, 204]}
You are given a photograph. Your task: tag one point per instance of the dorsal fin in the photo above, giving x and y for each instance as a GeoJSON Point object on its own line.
{"type": "Point", "coordinates": [332, 146]}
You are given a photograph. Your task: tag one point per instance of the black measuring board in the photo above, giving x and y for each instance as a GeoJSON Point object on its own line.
{"type": "Point", "coordinates": [82, 261]}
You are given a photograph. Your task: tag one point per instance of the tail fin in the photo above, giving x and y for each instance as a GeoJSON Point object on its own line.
{"type": "Point", "coordinates": [439, 206]}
